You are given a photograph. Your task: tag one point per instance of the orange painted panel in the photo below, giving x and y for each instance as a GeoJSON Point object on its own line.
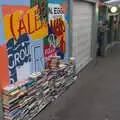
{"type": "Point", "coordinates": [4, 73]}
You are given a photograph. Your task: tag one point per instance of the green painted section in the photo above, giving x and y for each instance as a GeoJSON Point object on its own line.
{"type": "Point", "coordinates": [43, 11]}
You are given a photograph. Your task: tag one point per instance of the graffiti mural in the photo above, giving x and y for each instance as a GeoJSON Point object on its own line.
{"type": "Point", "coordinates": [57, 24]}
{"type": "Point", "coordinates": [31, 32]}
{"type": "Point", "coordinates": [24, 21]}
{"type": "Point", "coordinates": [56, 43]}
{"type": "Point", "coordinates": [19, 57]}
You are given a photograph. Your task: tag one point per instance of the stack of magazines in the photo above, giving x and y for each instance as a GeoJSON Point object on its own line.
{"type": "Point", "coordinates": [25, 99]}
{"type": "Point", "coordinates": [12, 96]}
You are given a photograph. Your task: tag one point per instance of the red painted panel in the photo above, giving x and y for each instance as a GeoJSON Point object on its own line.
{"type": "Point", "coordinates": [4, 73]}
{"type": "Point", "coordinates": [10, 9]}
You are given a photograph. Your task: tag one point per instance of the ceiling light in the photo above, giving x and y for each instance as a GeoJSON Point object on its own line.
{"type": "Point", "coordinates": [114, 9]}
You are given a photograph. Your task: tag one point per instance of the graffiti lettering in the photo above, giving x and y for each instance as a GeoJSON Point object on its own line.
{"type": "Point", "coordinates": [21, 23]}
{"type": "Point", "coordinates": [11, 26]}
{"type": "Point", "coordinates": [30, 31]}
{"type": "Point", "coordinates": [56, 11]}
{"type": "Point", "coordinates": [21, 27]}
{"type": "Point", "coordinates": [18, 57]}
{"type": "Point", "coordinates": [50, 10]}
{"type": "Point", "coordinates": [49, 51]}
{"type": "Point", "coordinates": [36, 23]}
{"type": "Point", "coordinates": [62, 44]}
{"type": "Point", "coordinates": [57, 26]}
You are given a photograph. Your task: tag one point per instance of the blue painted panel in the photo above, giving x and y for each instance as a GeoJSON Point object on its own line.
{"type": "Point", "coordinates": [37, 54]}
{"type": "Point", "coordinates": [15, 2]}
{"type": "Point", "coordinates": [57, 1]}
{"type": "Point", "coordinates": [2, 39]}
{"type": "Point", "coordinates": [67, 55]}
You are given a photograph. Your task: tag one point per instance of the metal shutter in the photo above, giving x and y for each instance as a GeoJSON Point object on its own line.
{"type": "Point", "coordinates": [82, 33]}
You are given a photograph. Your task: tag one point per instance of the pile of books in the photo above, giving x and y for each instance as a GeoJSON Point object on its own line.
{"type": "Point", "coordinates": [12, 97]}
{"type": "Point", "coordinates": [43, 96]}
{"type": "Point", "coordinates": [25, 99]}
{"type": "Point", "coordinates": [29, 105]}
{"type": "Point", "coordinates": [70, 75]}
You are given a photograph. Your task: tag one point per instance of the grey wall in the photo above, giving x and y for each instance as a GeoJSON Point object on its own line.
{"type": "Point", "coordinates": [94, 32]}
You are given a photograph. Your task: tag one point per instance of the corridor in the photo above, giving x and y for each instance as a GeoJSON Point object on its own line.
{"type": "Point", "coordinates": [95, 96]}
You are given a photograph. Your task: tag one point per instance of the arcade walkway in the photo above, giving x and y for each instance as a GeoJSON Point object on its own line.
{"type": "Point", "coordinates": [95, 96]}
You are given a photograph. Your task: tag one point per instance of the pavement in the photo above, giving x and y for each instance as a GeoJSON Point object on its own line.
{"type": "Point", "coordinates": [95, 96]}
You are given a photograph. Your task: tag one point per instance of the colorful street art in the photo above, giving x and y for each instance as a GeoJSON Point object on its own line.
{"type": "Point", "coordinates": [23, 21]}
{"type": "Point", "coordinates": [31, 32]}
